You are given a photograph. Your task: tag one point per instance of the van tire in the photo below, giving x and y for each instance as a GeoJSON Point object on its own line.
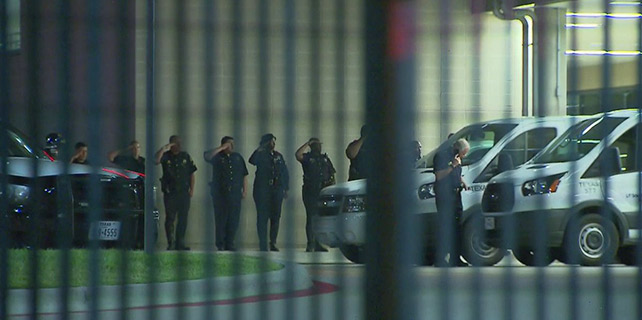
{"type": "Point", "coordinates": [592, 241]}
{"type": "Point", "coordinates": [627, 255]}
{"type": "Point", "coordinates": [475, 250]}
{"type": "Point", "coordinates": [527, 257]}
{"type": "Point", "coordinates": [353, 253]}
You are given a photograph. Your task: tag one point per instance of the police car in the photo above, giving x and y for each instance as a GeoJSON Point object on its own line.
{"type": "Point", "coordinates": [495, 146]}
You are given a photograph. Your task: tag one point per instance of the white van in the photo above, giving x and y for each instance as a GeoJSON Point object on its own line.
{"type": "Point", "coordinates": [578, 200]}
{"type": "Point", "coordinates": [495, 146]}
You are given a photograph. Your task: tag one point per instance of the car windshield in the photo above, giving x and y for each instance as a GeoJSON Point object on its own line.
{"type": "Point", "coordinates": [481, 137]}
{"type": "Point", "coordinates": [21, 146]}
{"type": "Point", "coordinates": [578, 140]}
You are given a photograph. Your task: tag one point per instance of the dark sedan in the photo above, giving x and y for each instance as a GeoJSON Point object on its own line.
{"type": "Point", "coordinates": [47, 203]}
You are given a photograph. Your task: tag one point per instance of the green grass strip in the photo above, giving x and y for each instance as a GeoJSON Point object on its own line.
{"type": "Point", "coordinates": [139, 267]}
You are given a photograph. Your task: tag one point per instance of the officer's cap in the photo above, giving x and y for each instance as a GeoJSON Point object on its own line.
{"type": "Point", "coordinates": [314, 140]}
{"type": "Point", "coordinates": [267, 137]}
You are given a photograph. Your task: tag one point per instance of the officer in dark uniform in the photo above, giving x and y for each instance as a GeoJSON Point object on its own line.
{"type": "Point", "coordinates": [129, 158]}
{"type": "Point", "coordinates": [228, 187]}
{"type": "Point", "coordinates": [53, 143]}
{"type": "Point", "coordinates": [448, 187]}
{"type": "Point", "coordinates": [271, 185]}
{"type": "Point", "coordinates": [177, 185]}
{"type": "Point", "coordinates": [318, 172]}
{"type": "Point", "coordinates": [81, 153]}
{"type": "Point", "coordinates": [358, 153]}
{"type": "Point", "coordinates": [415, 149]}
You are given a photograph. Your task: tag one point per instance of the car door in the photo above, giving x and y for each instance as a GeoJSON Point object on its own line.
{"type": "Point", "coordinates": [622, 189]}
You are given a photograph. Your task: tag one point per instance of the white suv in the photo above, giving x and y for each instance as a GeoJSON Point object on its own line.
{"type": "Point", "coordinates": [495, 146]}
{"type": "Point", "coordinates": [578, 200]}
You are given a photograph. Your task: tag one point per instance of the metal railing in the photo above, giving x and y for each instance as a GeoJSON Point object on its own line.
{"type": "Point", "coordinates": [553, 235]}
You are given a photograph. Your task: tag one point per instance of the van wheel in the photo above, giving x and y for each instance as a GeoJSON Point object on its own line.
{"type": "Point", "coordinates": [627, 256]}
{"type": "Point", "coordinates": [477, 251]}
{"type": "Point", "coordinates": [353, 253]}
{"type": "Point", "coordinates": [592, 242]}
{"type": "Point", "coordinates": [528, 257]}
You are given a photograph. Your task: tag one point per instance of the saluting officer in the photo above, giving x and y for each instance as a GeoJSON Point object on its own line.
{"type": "Point", "coordinates": [358, 151]}
{"type": "Point", "coordinates": [448, 187]}
{"type": "Point", "coordinates": [318, 172]}
{"type": "Point", "coordinates": [177, 185]}
{"type": "Point", "coordinates": [129, 158]}
{"type": "Point", "coordinates": [228, 187]}
{"type": "Point", "coordinates": [271, 185]}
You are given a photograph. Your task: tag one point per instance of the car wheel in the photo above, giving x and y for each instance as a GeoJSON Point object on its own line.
{"type": "Point", "coordinates": [528, 257]}
{"type": "Point", "coordinates": [627, 255]}
{"type": "Point", "coordinates": [353, 253]}
{"type": "Point", "coordinates": [592, 241]}
{"type": "Point", "coordinates": [477, 251]}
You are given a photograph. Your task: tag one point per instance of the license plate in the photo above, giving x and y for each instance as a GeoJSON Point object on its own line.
{"type": "Point", "coordinates": [105, 230]}
{"type": "Point", "coordinates": [489, 223]}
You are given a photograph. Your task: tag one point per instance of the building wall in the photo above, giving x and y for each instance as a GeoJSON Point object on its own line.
{"type": "Point", "coordinates": [481, 81]}
{"type": "Point", "coordinates": [40, 103]}
{"type": "Point", "coordinates": [622, 74]}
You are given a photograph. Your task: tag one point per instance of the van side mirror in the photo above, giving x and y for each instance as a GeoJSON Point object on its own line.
{"type": "Point", "coordinates": [610, 161]}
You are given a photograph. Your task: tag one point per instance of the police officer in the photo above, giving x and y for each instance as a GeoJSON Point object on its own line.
{"type": "Point", "coordinates": [128, 158]}
{"type": "Point", "coordinates": [415, 149]}
{"type": "Point", "coordinates": [53, 143]}
{"type": "Point", "coordinates": [271, 185]}
{"type": "Point", "coordinates": [448, 187]}
{"type": "Point", "coordinates": [318, 172]}
{"type": "Point", "coordinates": [177, 185]}
{"type": "Point", "coordinates": [357, 151]}
{"type": "Point", "coordinates": [228, 187]}
{"type": "Point", "coordinates": [81, 152]}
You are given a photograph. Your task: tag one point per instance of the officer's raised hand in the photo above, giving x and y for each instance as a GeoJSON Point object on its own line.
{"type": "Point", "coordinates": [162, 150]}
{"type": "Point", "coordinates": [456, 161]}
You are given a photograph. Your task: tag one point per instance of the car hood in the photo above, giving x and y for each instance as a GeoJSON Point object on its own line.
{"type": "Point", "coordinates": [531, 171]}
{"type": "Point", "coordinates": [29, 168]}
{"type": "Point", "coordinates": [359, 187]}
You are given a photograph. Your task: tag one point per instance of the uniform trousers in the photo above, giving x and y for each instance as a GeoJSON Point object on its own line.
{"type": "Point", "coordinates": [176, 206]}
{"type": "Point", "coordinates": [227, 212]}
{"type": "Point", "coordinates": [310, 199]}
{"type": "Point", "coordinates": [449, 209]}
{"type": "Point", "coordinates": [268, 202]}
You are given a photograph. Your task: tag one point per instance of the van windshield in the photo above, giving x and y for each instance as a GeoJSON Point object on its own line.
{"type": "Point", "coordinates": [481, 137]}
{"type": "Point", "coordinates": [578, 140]}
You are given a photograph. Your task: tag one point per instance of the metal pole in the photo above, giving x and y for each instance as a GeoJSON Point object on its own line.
{"type": "Point", "coordinates": [390, 97]}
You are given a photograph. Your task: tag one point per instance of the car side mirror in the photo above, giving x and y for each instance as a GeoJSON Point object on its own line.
{"type": "Point", "coordinates": [611, 162]}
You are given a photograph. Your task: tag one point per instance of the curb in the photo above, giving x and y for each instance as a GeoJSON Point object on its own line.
{"type": "Point", "coordinates": [292, 277]}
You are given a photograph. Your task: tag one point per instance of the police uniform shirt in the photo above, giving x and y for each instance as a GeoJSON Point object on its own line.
{"type": "Point", "coordinates": [228, 171]}
{"type": "Point", "coordinates": [442, 161]}
{"type": "Point", "coordinates": [359, 165]}
{"type": "Point", "coordinates": [177, 170]}
{"type": "Point", "coordinates": [270, 169]}
{"type": "Point", "coordinates": [317, 170]}
{"type": "Point", "coordinates": [128, 162]}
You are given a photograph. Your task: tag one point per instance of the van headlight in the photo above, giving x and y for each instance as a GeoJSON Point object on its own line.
{"type": "Point", "coordinates": [542, 185]}
{"type": "Point", "coordinates": [426, 191]}
{"type": "Point", "coordinates": [354, 204]}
